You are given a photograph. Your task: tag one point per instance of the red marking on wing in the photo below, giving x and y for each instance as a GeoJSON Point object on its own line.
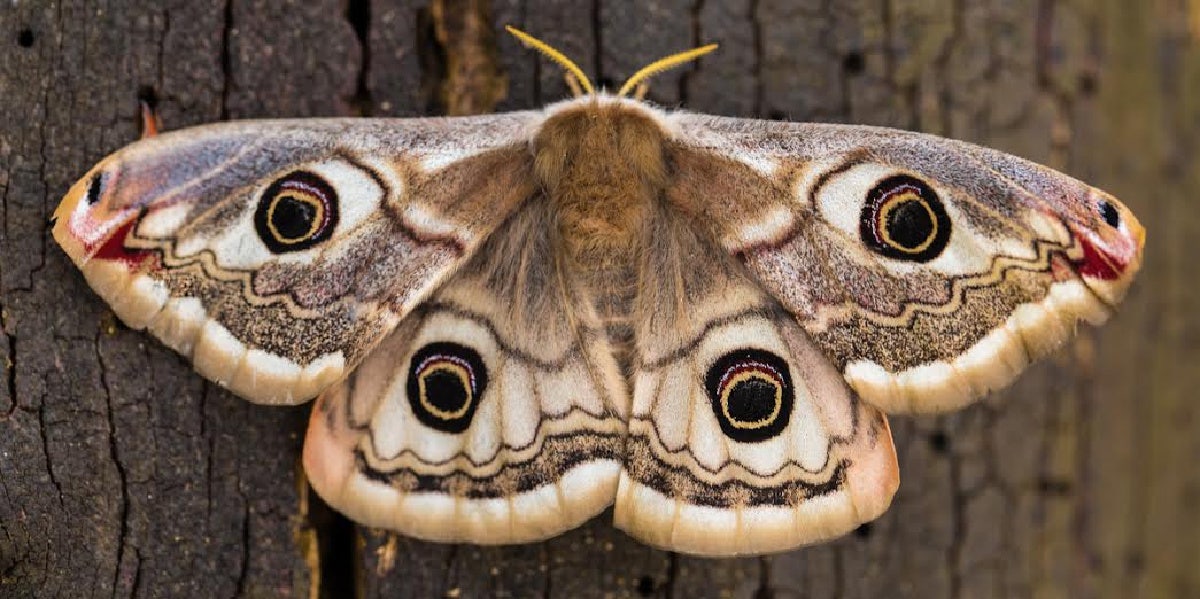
{"type": "Point", "coordinates": [1096, 263]}
{"type": "Point", "coordinates": [113, 248]}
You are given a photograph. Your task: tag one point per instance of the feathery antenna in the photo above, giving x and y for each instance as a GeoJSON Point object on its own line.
{"type": "Point", "coordinates": [663, 64]}
{"type": "Point", "coordinates": [637, 81]}
{"type": "Point", "coordinates": [554, 55]}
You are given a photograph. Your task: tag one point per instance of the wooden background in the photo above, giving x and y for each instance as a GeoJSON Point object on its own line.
{"type": "Point", "coordinates": [122, 473]}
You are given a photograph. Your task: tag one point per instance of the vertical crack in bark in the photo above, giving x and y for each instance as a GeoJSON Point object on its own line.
{"type": "Point", "coordinates": [537, 64]}
{"type": "Point", "coordinates": [598, 43]}
{"type": "Point", "coordinates": [992, 454]}
{"type": "Point", "coordinates": [839, 573]}
{"type": "Point", "coordinates": [910, 92]}
{"type": "Point", "coordinates": [945, 91]}
{"type": "Point", "coordinates": [1085, 375]}
{"type": "Point", "coordinates": [697, 37]}
{"type": "Point", "coordinates": [672, 575]}
{"type": "Point", "coordinates": [136, 584]}
{"type": "Point", "coordinates": [45, 437]}
{"type": "Point", "coordinates": [358, 14]}
{"type": "Point", "coordinates": [208, 475]}
{"type": "Point", "coordinates": [226, 59]}
{"type": "Point", "coordinates": [448, 577]}
{"type": "Point", "coordinates": [162, 48]}
{"type": "Point", "coordinates": [764, 590]}
{"type": "Point", "coordinates": [1046, 487]}
{"type": "Point", "coordinates": [1060, 135]}
{"type": "Point", "coordinates": [844, 72]}
{"type": "Point", "coordinates": [889, 56]}
{"type": "Point", "coordinates": [991, 72]}
{"type": "Point", "coordinates": [757, 69]}
{"type": "Point", "coordinates": [336, 547]}
{"type": "Point", "coordinates": [114, 456]}
{"type": "Point", "coordinates": [958, 520]}
{"type": "Point", "coordinates": [10, 366]}
{"type": "Point", "coordinates": [431, 57]}
{"type": "Point", "coordinates": [470, 79]}
{"type": "Point", "coordinates": [548, 579]}
{"type": "Point", "coordinates": [44, 161]}
{"type": "Point", "coordinates": [244, 567]}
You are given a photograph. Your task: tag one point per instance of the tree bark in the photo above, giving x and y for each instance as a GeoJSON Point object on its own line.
{"type": "Point", "coordinates": [123, 473]}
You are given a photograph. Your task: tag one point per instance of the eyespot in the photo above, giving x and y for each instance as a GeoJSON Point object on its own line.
{"type": "Point", "coordinates": [445, 382]}
{"type": "Point", "coordinates": [1109, 213]}
{"type": "Point", "coordinates": [95, 188]}
{"type": "Point", "coordinates": [751, 394]}
{"type": "Point", "coordinates": [296, 212]}
{"type": "Point", "coordinates": [904, 219]}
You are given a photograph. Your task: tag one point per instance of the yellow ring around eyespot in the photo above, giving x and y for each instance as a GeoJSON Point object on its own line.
{"type": "Point", "coordinates": [464, 377]}
{"type": "Point", "coordinates": [741, 378]}
{"type": "Point", "coordinates": [301, 197]}
{"type": "Point", "coordinates": [890, 205]}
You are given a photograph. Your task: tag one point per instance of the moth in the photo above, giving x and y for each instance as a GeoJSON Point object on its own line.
{"type": "Point", "coordinates": [512, 322]}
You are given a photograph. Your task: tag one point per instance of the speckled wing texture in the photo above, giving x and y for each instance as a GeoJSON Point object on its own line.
{"type": "Point", "coordinates": [743, 437]}
{"type": "Point", "coordinates": [494, 413]}
{"type": "Point", "coordinates": [929, 271]}
{"type": "Point", "coordinates": [277, 254]}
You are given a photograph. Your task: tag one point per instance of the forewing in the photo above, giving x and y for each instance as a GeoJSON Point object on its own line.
{"type": "Point", "coordinates": [276, 254]}
{"type": "Point", "coordinates": [493, 414]}
{"type": "Point", "coordinates": [930, 271]}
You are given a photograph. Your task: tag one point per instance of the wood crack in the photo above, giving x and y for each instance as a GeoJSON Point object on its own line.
{"type": "Point", "coordinates": [358, 14]}
{"type": "Point", "coordinates": [115, 458]}
{"type": "Point", "coordinates": [756, 28]}
{"type": "Point", "coordinates": [226, 57]}
{"type": "Point", "coordinates": [10, 368]}
{"type": "Point", "coordinates": [44, 434]}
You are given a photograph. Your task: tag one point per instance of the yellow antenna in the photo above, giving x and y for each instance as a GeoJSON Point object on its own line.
{"type": "Point", "coordinates": [554, 55]}
{"type": "Point", "coordinates": [664, 64]}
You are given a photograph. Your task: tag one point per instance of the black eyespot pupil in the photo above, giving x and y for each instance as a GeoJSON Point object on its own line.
{"type": "Point", "coordinates": [446, 391]}
{"type": "Point", "coordinates": [293, 217]}
{"type": "Point", "coordinates": [751, 394]}
{"type": "Point", "coordinates": [752, 400]}
{"type": "Point", "coordinates": [296, 212]}
{"type": "Point", "coordinates": [1109, 213]}
{"type": "Point", "coordinates": [446, 382]}
{"type": "Point", "coordinates": [910, 224]}
{"type": "Point", "coordinates": [904, 219]}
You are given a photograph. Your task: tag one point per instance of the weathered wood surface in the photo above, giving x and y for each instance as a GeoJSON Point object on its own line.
{"type": "Point", "coordinates": [122, 473]}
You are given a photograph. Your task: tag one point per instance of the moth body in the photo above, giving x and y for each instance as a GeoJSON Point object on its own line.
{"type": "Point", "coordinates": [601, 163]}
